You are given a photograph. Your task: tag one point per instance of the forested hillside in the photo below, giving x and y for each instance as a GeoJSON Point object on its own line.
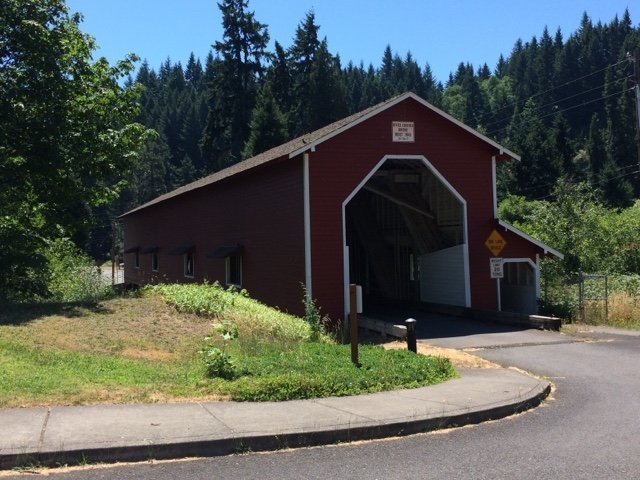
{"type": "Point", "coordinates": [76, 151]}
{"type": "Point", "coordinates": [565, 104]}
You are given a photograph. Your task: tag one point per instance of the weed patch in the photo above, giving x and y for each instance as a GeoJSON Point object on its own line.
{"type": "Point", "coordinates": [141, 349]}
{"type": "Point", "coordinates": [313, 370]}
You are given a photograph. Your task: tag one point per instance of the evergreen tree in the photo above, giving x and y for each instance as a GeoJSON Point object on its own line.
{"type": "Point", "coordinates": [150, 177]}
{"type": "Point", "coordinates": [596, 152]}
{"type": "Point", "coordinates": [468, 100]}
{"type": "Point", "coordinates": [194, 73]}
{"type": "Point", "coordinates": [371, 89]}
{"type": "Point", "coordinates": [432, 89]}
{"type": "Point", "coordinates": [279, 75]}
{"type": "Point", "coordinates": [233, 90]}
{"type": "Point", "coordinates": [327, 95]}
{"type": "Point", "coordinates": [414, 81]}
{"type": "Point", "coordinates": [544, 65]}
{"type": "Point", "coordinates": [268, 124]}
{"type": "Point", "coordinates": [501, 67]}
{"type": "Point", "coordinates": [302, 55]}
{"type": "Point", "coordinates": [562, 145]}
{"type": "Point", "coordinates": [539, 168]}
{"type": "Point", "coordinates": [484, 73]}
{"type": "Point", "coordinates": [616, 190]}
{"type": "Point", "coordinates": [354, 79]}
{"type": "Point", "coordinates": [386, 73]}
{"type": "Point", "coordinates": [191, 132]}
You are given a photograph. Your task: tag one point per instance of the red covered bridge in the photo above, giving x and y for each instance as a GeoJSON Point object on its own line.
{"type": "Point", "coordinates": [399, 198]}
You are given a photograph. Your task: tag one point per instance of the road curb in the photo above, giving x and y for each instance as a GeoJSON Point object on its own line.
{"type": "Point", "coordinates": [275, 441]}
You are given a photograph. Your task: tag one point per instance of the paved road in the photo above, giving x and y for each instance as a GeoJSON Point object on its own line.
{"type": "Point", "coordinates": [589, 430]}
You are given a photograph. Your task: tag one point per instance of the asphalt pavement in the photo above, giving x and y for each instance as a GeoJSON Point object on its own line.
{"type": "Point", "coordinates": [115, 433]}
{"type": "Point", "coordinates": [587, 429]}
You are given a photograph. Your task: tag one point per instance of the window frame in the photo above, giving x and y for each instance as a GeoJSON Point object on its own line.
{"type": "Point", "coordinates": [185, 264]}
{"type": "Point", "coordinates": [228, 271]}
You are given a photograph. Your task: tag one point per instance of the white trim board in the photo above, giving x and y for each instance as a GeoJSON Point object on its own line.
{"type": "Point", "coordinates": [545, 248]}
{"type": "Point", "coordinates": [536, 275]}
{"type": "Point", "coordinates": [444, 181]}
{"type": "Point", "coordinates": [307, 227]}
{"type": "Point", "coordinates": [494, 184]}
{"type": "Point", "coordinates": [311, 146]}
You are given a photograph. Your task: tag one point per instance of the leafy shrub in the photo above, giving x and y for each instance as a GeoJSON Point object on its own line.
{"type": "Point", "coordinates": [202, 299]}
{"type": "Point", "coordinates": [218, 363]}
{"type": "Point", "coordinates": [312, 316]}
{"type": "Point", "coordinates": [252, 317]}
{"type": "Point", "coordinates": [565, 308]}
{"type": "Point", "coordinates": [312, 370]}
{"type": "Point", "coordinates": [592, 237]}
{"type": "Point", "coordinates": [259, 353]}
{"type": "Point", "coordinates": [73, 276]}
{"type": "Point", "coordinates": [226, 330]}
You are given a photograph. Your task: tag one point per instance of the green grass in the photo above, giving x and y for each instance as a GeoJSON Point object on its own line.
{"type": "Point", "coordinates": [312, 370]}
{"type": "Point", "coordinates": [253, 318]}
{"type": "Point", "coordinates": [42, 374]}
{"type": "Point", "coordinates": [142, 349]}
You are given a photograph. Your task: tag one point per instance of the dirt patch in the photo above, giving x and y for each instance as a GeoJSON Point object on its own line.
{"type": "Point", "coordinates": [459, 358]}
{"type": "Point", "coordinates": [139, 328]}
{"type": "Point", "coordinates": [153, 355]}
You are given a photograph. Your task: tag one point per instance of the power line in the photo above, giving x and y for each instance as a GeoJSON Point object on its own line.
{"type": "Point", "coordinates": [621, 167]}
{"type": "Point", "coordinates": [563, 99]}
{"type": "Point", "coordinates": [573, 107]}
{"type": "Point", "coordinates": [523, 101]}
{"type": "Point", "coordinates": [617, 177]}
{"type": "Point", "coordinates": [586, 91]}
{"type": "Point", "coordinates": [587, 103]}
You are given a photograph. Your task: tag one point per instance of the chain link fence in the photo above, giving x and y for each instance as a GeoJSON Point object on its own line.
{"type": "Point", "coordinates": [592, 298]}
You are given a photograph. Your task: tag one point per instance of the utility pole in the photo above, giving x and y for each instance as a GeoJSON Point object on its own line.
{"type": "Point", "coordinates": [636, 76]}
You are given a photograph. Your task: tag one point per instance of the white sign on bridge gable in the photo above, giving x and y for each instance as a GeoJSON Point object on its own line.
{"type": "Point", "coordinates": [403, 131]}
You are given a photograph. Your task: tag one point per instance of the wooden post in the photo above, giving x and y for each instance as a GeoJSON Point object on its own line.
{"type": "Point", "coordinates": [353, 323]}
{"type": "Point", "coordinates": [113, 252]}
{"type": "Point", "coordinates": [411, 335]}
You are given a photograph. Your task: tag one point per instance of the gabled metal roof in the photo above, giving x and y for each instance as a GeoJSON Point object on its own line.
{"type": "Point", "coordinates": [309, 141]}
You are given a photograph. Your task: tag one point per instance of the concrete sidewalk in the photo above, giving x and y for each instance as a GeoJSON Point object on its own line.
{"type": "Point", "coordinates": [70, 435]}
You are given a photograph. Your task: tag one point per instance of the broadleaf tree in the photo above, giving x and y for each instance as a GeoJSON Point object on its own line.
{"type": "Point", "coordinates": [67, 136]}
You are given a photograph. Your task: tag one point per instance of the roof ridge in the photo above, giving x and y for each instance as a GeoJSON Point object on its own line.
{"type": "Point", "coordinates": [264, 157]}
{"type": "Point", "coordinates": [308, 141]}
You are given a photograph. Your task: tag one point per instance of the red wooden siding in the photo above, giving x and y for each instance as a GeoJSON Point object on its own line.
{"type": "Point", "coordinates": [261, 209]}
{"type": "Point", "coordinates": [340, 164]}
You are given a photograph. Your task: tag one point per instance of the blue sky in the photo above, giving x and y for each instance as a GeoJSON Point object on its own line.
{"type": "Point", "coordinates": [441, 33]}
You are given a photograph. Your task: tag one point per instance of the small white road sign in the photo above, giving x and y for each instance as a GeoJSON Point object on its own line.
{"type": "Point", "coordinates": [496, 266]}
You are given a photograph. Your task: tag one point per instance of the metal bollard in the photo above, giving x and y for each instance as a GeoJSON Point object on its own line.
{"type": "Point", "coordinates": [411, 334]}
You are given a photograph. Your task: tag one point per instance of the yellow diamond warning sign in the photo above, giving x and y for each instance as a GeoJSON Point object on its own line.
{"type": "Point", "coordinates": [495, 243]}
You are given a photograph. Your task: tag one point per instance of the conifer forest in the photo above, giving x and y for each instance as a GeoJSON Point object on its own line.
{"type": "Point", "coordinates": [564, 101]}
{"type": "Point", "coordinates": [565, 104]}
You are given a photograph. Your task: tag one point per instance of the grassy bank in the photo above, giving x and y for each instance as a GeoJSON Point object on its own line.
{"type": "Point", "coordinates": [148, 348]}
